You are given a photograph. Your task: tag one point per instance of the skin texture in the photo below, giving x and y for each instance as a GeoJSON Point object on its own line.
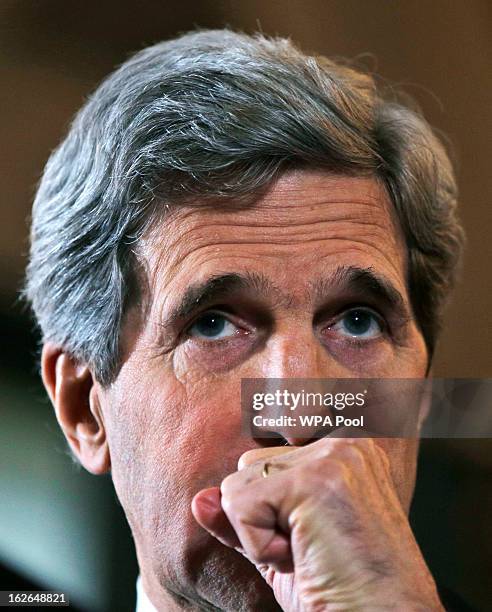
{"type": "Point", "coordinates": [168, 428]}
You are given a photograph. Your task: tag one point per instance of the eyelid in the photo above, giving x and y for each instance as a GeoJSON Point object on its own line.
{"type": "Point", "coordinates": [213, 310]}
{"type": "Point", "coordinates": [205, 311]}
{"type": "Point", "coordinates": [360, 341]}
{"type": "Point", "coordinates": [379, 317]}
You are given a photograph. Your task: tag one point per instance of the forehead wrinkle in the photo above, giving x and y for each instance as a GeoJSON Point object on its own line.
{"type": "Point", "coordinates": [193, 239]}
{"type": "Point", "coordinates": [276, 296]}
{"type": "Point", "coordinates": [335, 190]}
{"type": "Point", "coordinates": [395, 264]}
{"type": "Point", "coordinates": [304, 180]}
{"type": "Point", "coordinates": [192, 218]}
{"type": "Point", "coordinates": [383, 224]}
{"type": "Point", "coordinates": [272, 216]}
{"type": "Point", "coordinates": [284, 206]}
{"type": "Point", "coordinates": [203, 215]}
{"type": "Point", "coordinates": [187, 230]}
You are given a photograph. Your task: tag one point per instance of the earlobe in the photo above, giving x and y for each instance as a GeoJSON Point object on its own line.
{"type": "Point", "coordinates": [75, 396]}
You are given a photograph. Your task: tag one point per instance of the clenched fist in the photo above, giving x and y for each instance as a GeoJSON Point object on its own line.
{"type": "Point", "coordinates": [324, 526]}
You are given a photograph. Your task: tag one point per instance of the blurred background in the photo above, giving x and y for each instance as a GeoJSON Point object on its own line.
{"type": "Point", "coordinates": [61, 528]}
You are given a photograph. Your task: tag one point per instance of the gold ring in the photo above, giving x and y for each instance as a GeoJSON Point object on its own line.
{"type": "Point", "coordinates": [266, 467]}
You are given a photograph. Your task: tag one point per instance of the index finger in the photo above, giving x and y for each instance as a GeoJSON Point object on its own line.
{"type": "Point", "coordinates": [259, 454]}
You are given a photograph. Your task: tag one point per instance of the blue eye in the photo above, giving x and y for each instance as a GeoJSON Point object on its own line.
{"type": "Point", "coordinates": [359, 323]}
{"type": "Point", "coordinates": [212, 326]}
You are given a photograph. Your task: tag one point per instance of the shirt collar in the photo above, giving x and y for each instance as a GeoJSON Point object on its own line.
{"type": "Point", "coordinates": [143, 602]}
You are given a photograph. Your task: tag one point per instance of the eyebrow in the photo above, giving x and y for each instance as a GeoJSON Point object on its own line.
{"type": "Point", "coordinates": [217, 287]}
{"type": "Point", "coordinates": [362, 280]}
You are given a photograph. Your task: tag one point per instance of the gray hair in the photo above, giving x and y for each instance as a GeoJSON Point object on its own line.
{"type": "Point", "coordinates": [217, 113]}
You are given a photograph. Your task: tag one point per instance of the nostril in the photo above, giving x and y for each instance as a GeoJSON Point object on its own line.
{"type": "Point", "coordinates": [299, 441]}
{"type": "Point", "coordinates": [270, 439]}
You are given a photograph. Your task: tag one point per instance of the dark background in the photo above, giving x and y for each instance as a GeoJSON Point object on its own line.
{"type": "Point", "coordinates": [62, 528]}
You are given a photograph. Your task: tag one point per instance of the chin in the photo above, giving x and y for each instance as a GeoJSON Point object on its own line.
{"type": "Point", "coordinates": [224, 580]}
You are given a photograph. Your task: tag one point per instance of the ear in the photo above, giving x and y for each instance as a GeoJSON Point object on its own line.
{"type": "Point", "coordinates": [75, 396]}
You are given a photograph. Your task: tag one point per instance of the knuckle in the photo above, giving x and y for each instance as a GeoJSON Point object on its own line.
{"type": "Point", "coordinates": [325, 473]}
{"type": "Point", "coordinates": [324, 446]}
{"type": "Point", "coordinates": [233, 504]}
{"type": "Point", "coordinates": [228, 486]}
{"type": "Point", "coordinates": [249, 458]}
{"type": "Point", "coordinates": [340, 479]}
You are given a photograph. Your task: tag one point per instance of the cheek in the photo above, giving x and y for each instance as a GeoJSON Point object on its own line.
{"type": "Point", "coordinates": [402, 455]}
{"type": "Point", "coordinates": [168, 443]}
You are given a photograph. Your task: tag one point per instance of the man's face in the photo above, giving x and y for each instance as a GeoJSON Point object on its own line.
{"type": "Point", "coordinates": [264, 291]}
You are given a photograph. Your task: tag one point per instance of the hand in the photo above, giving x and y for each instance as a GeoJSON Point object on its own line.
{"type": "Point", "coordinates": [325, 528]}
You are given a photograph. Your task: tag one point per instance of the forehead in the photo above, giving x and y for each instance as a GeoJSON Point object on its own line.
{"type": "Point", "coordinates": [306, 225]}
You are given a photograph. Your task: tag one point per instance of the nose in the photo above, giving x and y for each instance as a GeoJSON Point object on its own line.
{"type": "Point", "coordinates": [294, 355]}
{"type": "Point", "coordinates": [285, 417]}
{"type": "Point", "coordinates": [290, 362]}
